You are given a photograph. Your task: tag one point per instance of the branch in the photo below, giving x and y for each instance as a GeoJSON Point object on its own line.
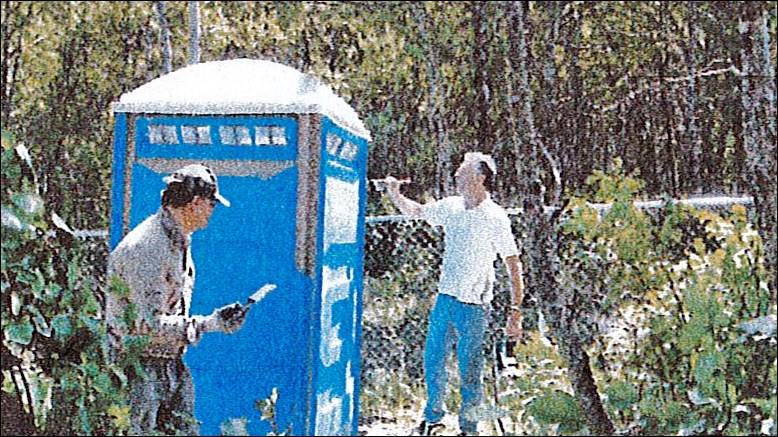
{"type": "Point", "coordinates": [657, 84]}
{"type": "Point", "coordinates": [555, 170]}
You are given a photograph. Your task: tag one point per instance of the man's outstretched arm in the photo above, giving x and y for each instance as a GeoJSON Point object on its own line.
{"type": "Point", "coordinates": [407, 206]}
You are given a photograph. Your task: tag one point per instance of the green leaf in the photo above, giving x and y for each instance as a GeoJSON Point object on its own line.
{"type": "Point", "coordinates": [102, 382]}
{"type": "Point", "coordinates": [119, 287]}
{"type": "Point", "coordinates": [692, 335]}
{"type": "Point", "coordinates": [558, 407]}
{"type": "Point", "coordinates": [69, 381]}
{"type": "Point", "coordinates": [20, 332]}
{"type": "Point", "coordinates": [705, 367]}
{"type": "Point", "coordinates": [93, 324]}
{"type": "Point", "coordinates": [622, 395]}
{"type": "Point", "coordinates": [90, 368]}
{"type": "Point", "coordinates": [62, 325]}
{"type": "Point", "coordinates": [41, 325]}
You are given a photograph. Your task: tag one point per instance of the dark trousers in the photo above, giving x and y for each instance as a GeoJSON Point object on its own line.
{"type": "Point", "coordinates": [162, 400]}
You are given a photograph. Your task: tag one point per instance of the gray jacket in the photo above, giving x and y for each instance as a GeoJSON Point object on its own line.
{"type": "Point", "coordinates": [155, 262]}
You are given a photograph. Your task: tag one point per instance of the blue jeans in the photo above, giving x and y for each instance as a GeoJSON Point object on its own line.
{"type": "Point", "coordinates": [465, 324]}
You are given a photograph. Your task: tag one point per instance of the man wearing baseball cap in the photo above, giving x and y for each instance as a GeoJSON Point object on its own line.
{"type": "Point", "coordinates": [154, 262]}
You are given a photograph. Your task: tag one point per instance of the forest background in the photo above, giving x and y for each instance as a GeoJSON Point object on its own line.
{"type": "Point", "coordinates": [679, 96]}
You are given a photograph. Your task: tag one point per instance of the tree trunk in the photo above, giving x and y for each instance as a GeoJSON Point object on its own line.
{"type": "Point", "coordinates": [194, 33]}
{"type": "Point", "coordinates": [164, 37]}
{"type": "Point", "coordinates": [15, 420]}
{"type": "Point", "coordinates": [542, 267]}
{"type": "Point", "coordinates": [694, 178]}
{"type": "Point", "coordinates": [436, 113]}
{"type": "Point", "coordinates": [758, 91]}
{"type": "Point", "coordinates": [479, 111]}
{"type": "Point", "coordinates": [549, 103]}
{"type": "Point", "coordinates": [527, 116]}
{"type": "Point", "coordinates": [580, 374]}
{"type": "Point", "coordinates": [522, 102]}
{"type": "Point", "coordinates": [13, 23]}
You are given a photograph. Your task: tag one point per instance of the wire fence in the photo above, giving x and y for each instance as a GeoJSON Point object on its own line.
{"type": "Point", "coordinates": [402, 265]}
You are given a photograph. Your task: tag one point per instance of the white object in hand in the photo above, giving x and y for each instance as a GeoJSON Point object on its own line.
{"type": "Point", "coordinates": [380, 184]}
{"type": "Point", "coordinates": [260, 294]}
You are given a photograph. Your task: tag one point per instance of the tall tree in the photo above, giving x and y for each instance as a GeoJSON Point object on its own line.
{"type": "Point", "coordinates": [550, 133]}
{"type": "Point", "coordinates": [482, 85]}
{"type": "Point", "coordinates": [14, 22]}
{"type": "Point", "coordinates": [525, 134]}
{"type": "Point", "coordinates": [691, 135]}
{"type": "Point", "coordinates": [436, 113]}
{"type": "Point", "coordinates": [542, 244]}
{"type": "Point", "coordinates": [194, 32]}
{"type": "Point", "coordinates": [759, 94]}
{"type": "Point", "coordinates": [558, 304]}
{"type": "Point", "coordinates": [164, 37]}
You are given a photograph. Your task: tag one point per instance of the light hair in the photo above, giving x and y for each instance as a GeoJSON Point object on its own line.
{"type": "Point", "coordinates": [482, 157]}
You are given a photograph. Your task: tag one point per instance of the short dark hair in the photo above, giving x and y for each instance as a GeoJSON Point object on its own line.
{"type": "Point", "coordinates": [180, 193]}
{"type": "Point", "coordinates": [488, 175]}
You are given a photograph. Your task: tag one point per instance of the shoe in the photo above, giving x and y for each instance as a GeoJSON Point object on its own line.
{"type": "Point", "coordinates": [426, 429]}
{"type": "Point", "coordinates": [468, 433]}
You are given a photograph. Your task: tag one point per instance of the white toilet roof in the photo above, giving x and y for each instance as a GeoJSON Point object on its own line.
{"type": "Point", "coordinates": [240, 86]}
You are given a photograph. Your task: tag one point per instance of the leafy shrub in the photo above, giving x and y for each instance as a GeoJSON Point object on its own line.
{"type": "Point", "coordinates": [57, 371]}
{"type": "Point", "coordinates": [558, 407]}
{"type": "Point", "coordinates": [673, 292]}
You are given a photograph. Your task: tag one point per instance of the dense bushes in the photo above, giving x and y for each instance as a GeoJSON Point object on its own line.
{"type": "Point", "coordinates": [56, 376]}
{"type": "Point", "coordinates": [677, 308]}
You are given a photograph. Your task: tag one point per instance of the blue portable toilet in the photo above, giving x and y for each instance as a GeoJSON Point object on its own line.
{"type": "Point", "coordinates": [291, 157]}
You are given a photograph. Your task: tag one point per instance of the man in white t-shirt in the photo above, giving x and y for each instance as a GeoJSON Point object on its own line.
{"type": "Point", "coordinates": [476, 230]}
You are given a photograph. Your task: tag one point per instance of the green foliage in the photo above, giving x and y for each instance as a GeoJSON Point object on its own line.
{"type": "Point", "coordinates": [558, 407]}
{"type": "Point", "coordinates": [429, 80]}
{"type": "Point", "coordinates": [681, 284]}
{"type": "Point", "coordinates": [621, 395]}
{"type": "Point", "coordinates": [52, 316]}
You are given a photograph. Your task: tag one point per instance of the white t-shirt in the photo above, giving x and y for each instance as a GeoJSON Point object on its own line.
{"type": "Point", "coordinates": [473, 239]}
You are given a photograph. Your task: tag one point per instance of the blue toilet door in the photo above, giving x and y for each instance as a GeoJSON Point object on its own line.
{"type": "Point", "coordinates": [245, 246]}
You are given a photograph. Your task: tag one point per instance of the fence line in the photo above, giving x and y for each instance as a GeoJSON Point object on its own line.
{"type": "Point", "coordinates": [697, 202]}
{"type": "Point", "coordinates": [402, 264]}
